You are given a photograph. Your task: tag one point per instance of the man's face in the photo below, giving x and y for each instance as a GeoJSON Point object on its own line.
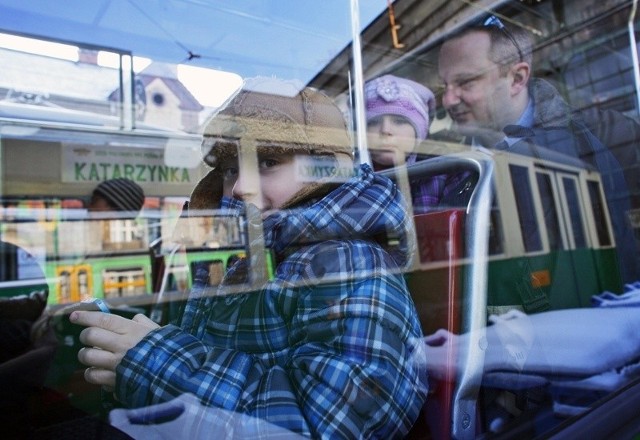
{"type": "Point", "coordinates": [476, 94]}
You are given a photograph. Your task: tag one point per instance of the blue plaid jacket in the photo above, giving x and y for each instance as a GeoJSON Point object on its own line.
{"type": "Point", "coordinates": [325, 348]}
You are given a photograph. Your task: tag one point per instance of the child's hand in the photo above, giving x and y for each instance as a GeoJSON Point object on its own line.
{"type": "Point", "coordinates": [108, 337]}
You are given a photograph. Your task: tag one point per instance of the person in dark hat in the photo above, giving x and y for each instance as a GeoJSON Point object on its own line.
{"type": "Point", "coordinates": [122, 195]}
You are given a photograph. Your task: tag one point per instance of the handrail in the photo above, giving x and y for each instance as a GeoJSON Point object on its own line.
{"type": "Point", "coordinates": [634, 52]}
{"type": "Point", "coordinates": [475, 278]}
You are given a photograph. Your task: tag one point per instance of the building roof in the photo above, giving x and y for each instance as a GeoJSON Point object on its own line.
{"type": "Point", "coordinates": [43, 76]}
{"type": "Point", "coordinates": [38, 74]}
{"type": "Point", "coordinates": [167, 74]}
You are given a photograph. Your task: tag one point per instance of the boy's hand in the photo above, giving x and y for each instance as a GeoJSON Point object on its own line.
{"type": "Point", "coordinates": [108, 338]}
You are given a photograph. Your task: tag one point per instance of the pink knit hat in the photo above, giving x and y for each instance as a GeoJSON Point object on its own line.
{"type": "Point", "coordinates": [391, 95]}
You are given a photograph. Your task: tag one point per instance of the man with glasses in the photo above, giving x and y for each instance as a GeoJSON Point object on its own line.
{"type": "Point", "coordinates": [491, 96]}
{"type": "Point", "coordinates": [486, 71]}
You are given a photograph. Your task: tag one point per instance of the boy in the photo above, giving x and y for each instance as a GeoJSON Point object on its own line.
{"type": "Point", "coordinates": [326, 347]}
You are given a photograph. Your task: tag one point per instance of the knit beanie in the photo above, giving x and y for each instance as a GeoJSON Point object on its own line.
{"type": "Point", "coordinates": [123, 194]}
{"type": "Point", "coordinates": [273, 114]}
{"type": "Point", "coordinates": [390, 95]}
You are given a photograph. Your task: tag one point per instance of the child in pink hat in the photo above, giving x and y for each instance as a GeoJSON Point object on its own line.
{"type": "Point", "coordinates": [399, 112]}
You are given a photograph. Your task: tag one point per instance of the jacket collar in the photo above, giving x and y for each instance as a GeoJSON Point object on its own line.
{"type": "Point", "coordinates": [367, 206]}
{"type": "Point", "coordinates": [551, 110]}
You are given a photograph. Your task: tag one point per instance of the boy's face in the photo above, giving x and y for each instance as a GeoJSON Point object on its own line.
{"type": "Point", "coordinates": [276, 183]}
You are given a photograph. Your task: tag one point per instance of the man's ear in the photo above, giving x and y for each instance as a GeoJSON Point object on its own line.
{"type": "Point", "coordinates": [520, 73]}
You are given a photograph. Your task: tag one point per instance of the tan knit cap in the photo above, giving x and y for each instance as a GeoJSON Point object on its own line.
{"type": "Point", "coordinates": [306, 121]}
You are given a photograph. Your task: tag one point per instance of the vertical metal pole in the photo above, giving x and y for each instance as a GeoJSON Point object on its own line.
{"type": "Point", "coordinates": [634, 53]}
{"type": "Point", "coordinates": [127, 85]}
{"type": "Point", "coordinates": [121, 90]}
{"type": "Point", "coordinates": [360, 120]}
{"type": "Point", "coordinates": [1, 177]}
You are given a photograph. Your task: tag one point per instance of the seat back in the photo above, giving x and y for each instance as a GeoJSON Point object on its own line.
{"type": "Point", "coordinates": [450, 295]}
{"type": "Point", "coordinates": [435, 289]}
{"type": "Point", "coordinates": [435, 286]}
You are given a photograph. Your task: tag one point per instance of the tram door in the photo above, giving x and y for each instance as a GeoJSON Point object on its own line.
{"type": "Point", "coordinates": [74, 283]}
{"type": "Point", "coordinates": [575, 213]}
{"type": "Point", "coordinates": [565, 221]}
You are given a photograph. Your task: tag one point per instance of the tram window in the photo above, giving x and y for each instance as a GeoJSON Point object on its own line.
{"type": "Point", "coordinates": [64, 285]}
{"type": "Point", "coordinates": [549, 209]}
{"type": "Point", "coordinates": [575, 214]}
{"type": "Point", "coordinates": [526, 210]}
{"type": "Point", "coordinates": [177, 279]}
{"type": "Point", "coordinates": [122, 231]}
{"type": "Point", "coordinates": [214, 268]}
{"type": "Point", "coordinates": [496, 237]}
{"type": "Point", "coordinates": [83, 284]}
{"type": "Point", "coordinates": [597, 207]}
{"type": "Point", "coordinates": [124, 282]}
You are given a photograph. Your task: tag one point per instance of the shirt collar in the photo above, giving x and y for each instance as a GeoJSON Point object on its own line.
{"type": "Point", "coordinates": [525, 120]}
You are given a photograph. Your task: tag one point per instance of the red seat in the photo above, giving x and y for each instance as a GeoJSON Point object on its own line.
{"type": "Point", "coordinates": [435, 289]}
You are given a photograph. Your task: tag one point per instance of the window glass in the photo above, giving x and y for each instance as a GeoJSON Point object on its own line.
{"type": "Point", "coordinates": [322, 215]}
{"type": "Point", "coordinates": [526, 211]}
{"type": "Point", "coordinates": [496, 237]}
{"type": "Point", "coordinates": [549, 210]}
{"type": "Point", "coordinates": [575, 211]}
{"type": "Point", "coordinates": [596, 205]}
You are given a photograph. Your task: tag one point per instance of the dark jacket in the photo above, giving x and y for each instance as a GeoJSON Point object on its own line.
{"type": "Point", "coordinates": [556, 129]}
{"type": "Point", "coordinates": [621, 134]}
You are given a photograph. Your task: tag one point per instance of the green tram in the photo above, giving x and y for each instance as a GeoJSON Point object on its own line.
{"type": "Point", "coordinates": [559, 253]}
{"type": "Point", "coordinates": [83, 255]}
{"type": "Point", "coordinates": [81, 262]}
{"type": "Point", "coordinates": [571, 257]}
{"type": "Point", "coordinates": [123, 275]}
{"type": "Point", "coordinates": [538, 227]}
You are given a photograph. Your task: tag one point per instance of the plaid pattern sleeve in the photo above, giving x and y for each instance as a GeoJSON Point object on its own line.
{"type": "Point", "coordinates": [355, 367]}
{"type": "Point", "coordinates": [331, 358]}
{"type": "Point", "coordinates": [169, 362]}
